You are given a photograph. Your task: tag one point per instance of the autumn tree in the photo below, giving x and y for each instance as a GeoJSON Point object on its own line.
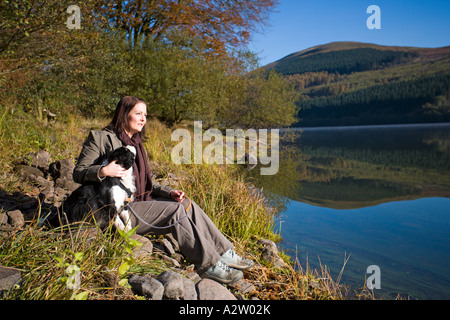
{"type": "Point", "coordinates": [219, 23]}
{"type": "Point", "coordinates": [34, 31]}
{"type": "Point", "coordinates": [187, 59]}
{"type": "Point", "coordinates": [37, 49]}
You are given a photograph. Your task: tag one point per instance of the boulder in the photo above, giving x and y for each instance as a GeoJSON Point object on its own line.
{"type": "Point", "coordinates": [145, 249]}
{"type": "Point", "coordinates": [41, 160]}
{"type": "Point", "coordinates": [168, 259]}
{"type": "Point", "coordinates": [16, 218]}
{"type": "Point", "coordinates": [3, 219]}
{"type": "Point", "coordinates": [42, 182]}
{"type": "Point", "coordinates": [193, 276]}
{"type": "Point", "coordinates": [28, 172]}
{"type": "Point", "coordinates": [211, 290]}
{"type": "Point", "coordinates": [146, 286]}
{"type": "Point", "coordinates": [62, 173]}
{"type": "Point", "coordinates": [173, 285]}
{"type": "Point", "coordinates": [62, 169]}
{"type": "Point", "coordinates": [167, 246]}
{"type": "Point", "coordinates": [174, 242]}
{"type": "Point", "coordinates": [243, 286]}
{"type": "Point", "coordinates": [9, 277]}
{"type": "Point", "coordinates": [270, 253]}
{"type": "Point", "coordinates": [189, 292]}
{"type": "Point", "coordinates": [67, 184]}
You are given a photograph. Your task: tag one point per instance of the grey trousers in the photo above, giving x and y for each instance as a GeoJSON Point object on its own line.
{"type": "Point", "coordinates": [199, 239]}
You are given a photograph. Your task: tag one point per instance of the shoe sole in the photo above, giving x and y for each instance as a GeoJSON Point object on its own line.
{"type": "Point", "coordinates": [239, 277]}
{"type": "Point", "coordinates": [240, 267]}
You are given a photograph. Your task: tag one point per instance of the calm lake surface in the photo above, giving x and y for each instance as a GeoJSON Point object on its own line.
{"type": "Point", "coordinates": [376, 195]}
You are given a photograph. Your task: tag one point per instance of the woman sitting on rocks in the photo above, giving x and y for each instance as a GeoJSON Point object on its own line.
{"type": "Point", "coordinates": [155, 206]}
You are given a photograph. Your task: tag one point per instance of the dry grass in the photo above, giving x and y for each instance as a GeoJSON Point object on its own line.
{"type": "Point", "coordinates": [222, 191]}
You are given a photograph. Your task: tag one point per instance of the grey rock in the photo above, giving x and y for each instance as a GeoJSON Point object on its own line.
{"type": "Point", "coordinates": [145, 249]}
{"type": "Point", "coordinates": [167, 246]}
{"type": "Point", "coordinates": [16, 218]}
{"type": "Point", "coordinates": [211, 290]}
{"type": "Point", "coordinates": [28, 172]}
{"type": "Point", "coordinates": [3, 219]}
{"type": "Point", "coordinates": [62, 169]}
{"type": "Point", "coordinates": [170, 260]}
{"type": "Point", "coordinates": [9, 277]}
{"type": "Point", "coordinates": [173, 285]}
{"type": "Point", "coordinates": [67, 184]}
{"type": "Point", "coordinates": [42, 182]}
{"type": "Point", "coordinates": [270, 253]}
{"type": "Point", "coordinates": [174, 242]}
{"type": "Point", "coordinates": [178, 257]}
{"type": "Point", "coordinates": [62, 173]}
{"type": "Point", "coordinates": [193, 276]}
{"type": "Point", "coordinates": [41, 160]}
{"type": "Point", "coordinates": [146, 286]}
{"type": "Point", "coordinates": [48, 193]}
{"type": "Point", "coordinates": [243, 286]}
{"type": "Point", "coordinates": [190, 293]}
{"type": "Point", "coordinates": [153, 289]}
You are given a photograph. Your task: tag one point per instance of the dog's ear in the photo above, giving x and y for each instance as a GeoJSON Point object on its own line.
{"type": "Point", "coordinates": [113, 156]}
{"type": "Point", "coordinates": [129, 160]}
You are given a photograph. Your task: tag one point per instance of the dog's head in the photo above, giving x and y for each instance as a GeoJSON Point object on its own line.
{"type": "Point", "coordinates": [124, 156]}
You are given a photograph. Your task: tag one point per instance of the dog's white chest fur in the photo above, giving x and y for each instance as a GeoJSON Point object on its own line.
{"type": "Point", "coordinates": [122, 220]}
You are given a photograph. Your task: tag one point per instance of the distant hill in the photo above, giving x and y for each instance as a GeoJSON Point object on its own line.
{"type": "Point", "coordinates": [353, 83]}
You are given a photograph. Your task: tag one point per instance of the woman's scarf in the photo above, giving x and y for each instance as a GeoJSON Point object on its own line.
{"type": "Point", "coordinates": [143, 178]}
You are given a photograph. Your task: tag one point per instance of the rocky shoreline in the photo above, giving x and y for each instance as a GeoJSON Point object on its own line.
{"type": "Point", "coordinates": [52, 182]}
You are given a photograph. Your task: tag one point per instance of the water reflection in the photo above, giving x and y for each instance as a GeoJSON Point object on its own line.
{"type": "Point", "coordinates": [357, 167]}
{"type": "Point", "coordinates": [377, 193]}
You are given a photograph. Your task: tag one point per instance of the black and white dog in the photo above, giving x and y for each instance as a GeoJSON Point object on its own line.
{"type": "Point", "coordinates": [105, 201]}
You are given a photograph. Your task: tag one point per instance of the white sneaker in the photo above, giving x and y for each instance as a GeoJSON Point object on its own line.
{"type": "Point", "coordinates": [223, 273]}
{"type": "Point", "coordinates": [233, 260]}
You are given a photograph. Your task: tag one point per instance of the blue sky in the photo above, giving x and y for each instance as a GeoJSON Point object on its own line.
{"type": "Point", "coordinates": [300, 24]}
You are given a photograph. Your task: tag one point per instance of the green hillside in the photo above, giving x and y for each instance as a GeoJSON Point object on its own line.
{"type": "Point", "coordinates": [351, 83]}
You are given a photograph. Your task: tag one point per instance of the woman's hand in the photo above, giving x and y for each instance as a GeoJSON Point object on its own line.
{"type": "Point", "coordinates": [177, 195]}
{"type": "Point", "coordinates": [113, 170]}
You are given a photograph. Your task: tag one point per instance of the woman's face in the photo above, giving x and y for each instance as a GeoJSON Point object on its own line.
{"type": "Point", "coordinates": [137, 118]}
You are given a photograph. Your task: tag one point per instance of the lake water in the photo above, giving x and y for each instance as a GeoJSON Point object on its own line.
{"type": "Point", "coordinates": [376, 195]}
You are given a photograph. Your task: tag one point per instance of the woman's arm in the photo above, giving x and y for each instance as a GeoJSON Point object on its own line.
{"type": "Point", "coordinates": [161, 191]}
{"type": "Point", "coordinates": [87, 169]}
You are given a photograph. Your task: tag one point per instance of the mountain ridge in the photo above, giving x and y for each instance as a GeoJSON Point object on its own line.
{"type": "Point", "coordinates": [347, 45]}
{"type": "Point", "coordinates": [354, 83]}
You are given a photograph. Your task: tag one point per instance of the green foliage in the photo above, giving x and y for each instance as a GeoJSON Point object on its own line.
{"type": "Point", "coordinates": [176, 78]}
{"type": "Point", "coordinates": [269, 102]}
{"type": "Point", "coordinates": [73, 272]}
{"type": "Point", "coordinates": [127, 250]}
{"type": "Point", "coordinates": [105, 77]}
{"type": "Point", "coordinates": [397, 102]}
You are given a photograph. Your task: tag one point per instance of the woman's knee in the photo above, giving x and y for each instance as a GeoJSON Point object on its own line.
{"type": "Point", "coordinates": [177, 208]}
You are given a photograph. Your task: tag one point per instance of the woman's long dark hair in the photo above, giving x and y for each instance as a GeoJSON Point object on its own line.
{"type": "Point", "coordinates": [120, 119]}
